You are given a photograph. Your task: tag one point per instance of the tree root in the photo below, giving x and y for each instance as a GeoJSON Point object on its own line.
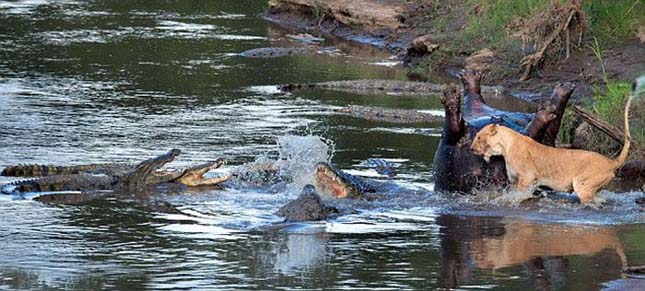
{"type": "Point", "coordinates": [558, 38]}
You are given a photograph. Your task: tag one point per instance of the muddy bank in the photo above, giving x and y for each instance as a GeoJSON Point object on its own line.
{"type": "Point", "coordinates": [375, 22]}
{"type": "Point", "coordinates": [406, 28]}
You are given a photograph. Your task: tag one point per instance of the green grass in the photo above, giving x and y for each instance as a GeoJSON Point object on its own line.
{"type": "Point", "coordinates": [610, 21]}
{"type": "Point", "coordinates": [489, 26]}
{"type": "Point", "coordinates": [608, 102]}
{"type": "Point", "coordinates": [317, 10]}
{"type": "Point", "coordinates": [567, 125]}
{"type": "Point", "coordinates": [609, 105]}
{"type": "Point", "coordinates": [614, 21]}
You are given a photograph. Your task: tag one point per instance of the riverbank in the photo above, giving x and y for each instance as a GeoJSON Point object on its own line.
{"type": "Point", "coordinates": [539, 45]}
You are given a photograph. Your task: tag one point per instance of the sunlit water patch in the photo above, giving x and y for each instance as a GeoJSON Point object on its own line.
{"type": "Point", "coordinates": [27, 6]}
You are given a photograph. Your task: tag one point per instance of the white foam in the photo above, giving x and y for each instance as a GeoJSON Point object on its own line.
{"type": "Point", "coordinates": [388, 64]}
{"type": "Point", "coordinates": [238, 37]}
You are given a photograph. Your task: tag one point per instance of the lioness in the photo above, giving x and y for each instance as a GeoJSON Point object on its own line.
{"type": "Point", "coordinates": [530, 164]}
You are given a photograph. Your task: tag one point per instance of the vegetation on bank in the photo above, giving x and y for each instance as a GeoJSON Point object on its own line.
{"type": "Point", "coordinates": [492, 23]}
{"type": "Point", "coordinates": [608, 104]}
{"type": "Point", "coordinates": [528, 33]}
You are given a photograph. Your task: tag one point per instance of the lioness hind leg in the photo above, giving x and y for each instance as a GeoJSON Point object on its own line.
{"type": "Point", "coordinates": [587, 188]}
{"type": "Point", "coordinates": [585, 195]}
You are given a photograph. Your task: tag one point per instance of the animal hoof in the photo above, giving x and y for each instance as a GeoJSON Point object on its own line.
{"type": "Point", "coordinates": [563, 89]}
{"type": "Point", "coordinates": [451, 97]}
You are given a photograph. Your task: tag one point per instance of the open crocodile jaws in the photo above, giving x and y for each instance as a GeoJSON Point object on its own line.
{"type": "Point", "coordinates": [338, 184]}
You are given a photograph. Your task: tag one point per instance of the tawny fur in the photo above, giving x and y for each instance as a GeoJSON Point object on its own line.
{"type": "Point", "coordinates": [530, 164]}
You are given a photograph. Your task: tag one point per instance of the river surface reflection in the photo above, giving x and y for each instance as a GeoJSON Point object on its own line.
{"type": "Point", "coordinates": [97, 81]}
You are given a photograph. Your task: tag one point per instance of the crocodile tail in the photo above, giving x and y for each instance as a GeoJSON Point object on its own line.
{"type": "Point", "coordinates": [62, 183]}
{"type": "Point", "coordinates": [620, 160]}
{"type": "Point", "coordinates": [36, 170]}
{"type": "Point", "coordinates": [32, 170]}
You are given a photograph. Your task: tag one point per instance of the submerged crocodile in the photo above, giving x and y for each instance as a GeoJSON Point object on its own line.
{"type": "Point", "coordinates": [277, 52]}
{"type": "Point", "coordinates": [387, 86]}
{"type": "Point", "coordinates": [337, 183]}
{"type": "Point", "coordinates": [389, 115]}
{"type": "Point", "coordinates": [274, 52]}
{"type": "Point", "coordinates": [120, 178]}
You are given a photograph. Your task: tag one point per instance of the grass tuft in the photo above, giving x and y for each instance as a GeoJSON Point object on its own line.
{"type": "Point", "coordinates": [615, 21]}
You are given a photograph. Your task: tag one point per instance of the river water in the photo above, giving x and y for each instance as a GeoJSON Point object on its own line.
{"type": "Point", "coordinates": [97, 81]}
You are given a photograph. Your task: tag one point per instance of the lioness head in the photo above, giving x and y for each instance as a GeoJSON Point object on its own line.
{"type": "Point", "coordinates": [485, 142]}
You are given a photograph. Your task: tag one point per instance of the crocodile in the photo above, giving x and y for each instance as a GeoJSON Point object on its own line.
{"type": "Point", "coordinates": [389, 115]}
{"type": "Point", "coordinates": [274, 52]}
{"type": "Point", "coordinates": [308, 48]}
{"type": "Point", "coordinates": [304, 37]}
{"type": "Point", "coordinates": [456, 168]}
{"type": "Point", "coordinates": [113, 177]}
{"type": "Point", "coordinates": [409, 88]}
{"type": "Point", "coordinates": [335, 184]}
{"type": "Point", "coordinates": [382, 167]}
{"type": "Point", "coordinates": [263, 174]}
{"type": "Point", "coordinates": [339, 184]}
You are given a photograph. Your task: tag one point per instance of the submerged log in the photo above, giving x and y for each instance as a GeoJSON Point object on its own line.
{"type": "Point", "coordinates": [634, 169]}
{"type": "Point", "coordinates": [389, 115]}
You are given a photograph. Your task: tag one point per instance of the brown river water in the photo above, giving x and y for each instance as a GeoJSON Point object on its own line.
{"type": "Point", "coordinates": [98, 81]}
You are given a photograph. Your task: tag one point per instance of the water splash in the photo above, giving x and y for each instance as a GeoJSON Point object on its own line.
{"type": "Point", "coordinates": [292, 170]}
{"type": "Point", "coordinates": [300, 154]}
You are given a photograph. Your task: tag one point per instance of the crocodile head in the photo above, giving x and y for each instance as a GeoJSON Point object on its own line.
{"type": "Point", "coordinates": [335, 182]}
{"type": "Point", "coordinates": [138, 179]}
{"type": "Point", "coordinates": [195, 176]}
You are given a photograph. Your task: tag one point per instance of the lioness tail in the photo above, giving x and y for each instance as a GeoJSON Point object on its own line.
{"type": "Point", "coordinates": [620, 160]}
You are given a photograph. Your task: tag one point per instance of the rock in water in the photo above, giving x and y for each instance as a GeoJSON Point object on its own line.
{"type": "Point", "coordinates": [308, 206]}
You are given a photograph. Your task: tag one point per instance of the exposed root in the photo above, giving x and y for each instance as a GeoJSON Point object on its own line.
{"type": "Point", "coordinates": [552, 32]}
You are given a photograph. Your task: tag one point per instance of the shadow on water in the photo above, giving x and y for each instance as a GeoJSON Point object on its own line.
{"type": "Point", "coordinates": [551, 256]}
{"type": "Point", "coordinates": [120, 245]}
{"type": "Point", "coordinates": [97, 81]}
